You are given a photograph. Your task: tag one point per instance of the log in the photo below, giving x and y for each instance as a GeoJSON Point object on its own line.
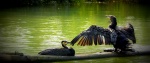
{"type": "Point", "coordinates": [20, 57]}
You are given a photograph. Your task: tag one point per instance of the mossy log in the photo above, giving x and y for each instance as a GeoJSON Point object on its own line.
{"type": "Point", "coordinates": [20, 57]}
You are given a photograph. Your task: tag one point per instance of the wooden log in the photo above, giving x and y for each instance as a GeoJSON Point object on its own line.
{"type": "Point", "coordinates": [139, 50]}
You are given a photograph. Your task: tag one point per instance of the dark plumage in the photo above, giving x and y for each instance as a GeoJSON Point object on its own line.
{"type": "Point", "coordinates": [65, 51]}
{"type": "Point", "coordinates": [117, 36]}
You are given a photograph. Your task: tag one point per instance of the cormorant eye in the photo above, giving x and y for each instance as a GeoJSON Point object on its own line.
{"type": "Point", "coordinates": [65, 43]}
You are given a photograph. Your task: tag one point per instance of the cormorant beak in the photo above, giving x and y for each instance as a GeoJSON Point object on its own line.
{"type": "Point", "coordinates": [68, 42]}
{"type": "Point", "coordinates": [108, 16]}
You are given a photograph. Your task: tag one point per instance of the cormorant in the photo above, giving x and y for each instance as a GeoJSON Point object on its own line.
{"type": "Point", "coordinates": [117, 36]}
{"type": "Point", "coordinates": [65, 51]}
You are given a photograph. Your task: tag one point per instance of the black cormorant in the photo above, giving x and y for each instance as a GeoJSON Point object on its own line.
{"type": "Point", "coordinates": [117, 36]}
{"type": "Point", "coordinates": [65, 51]}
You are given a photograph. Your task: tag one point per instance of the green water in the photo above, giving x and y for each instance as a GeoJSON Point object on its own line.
{"type": "Point", "coordinates": [32, 29]}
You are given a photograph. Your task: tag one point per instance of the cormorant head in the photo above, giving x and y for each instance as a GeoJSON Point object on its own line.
{"type": "Point", "coordinates": [64, 43]}
{"type": "Point", "coordinates": [111, 17]}
{"type": "Point", "coordinates": [113, 21]}
{"type": "Point", "coordinates": [71, 50]}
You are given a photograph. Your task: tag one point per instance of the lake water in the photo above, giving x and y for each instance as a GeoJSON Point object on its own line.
{"type": "Point", "coordinates": [32, 29]}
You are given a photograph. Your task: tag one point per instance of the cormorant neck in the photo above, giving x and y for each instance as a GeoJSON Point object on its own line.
{"type": "Point", "coordinates": [113, 21]}
{"type": "Point", "coordinates": [64, 46]}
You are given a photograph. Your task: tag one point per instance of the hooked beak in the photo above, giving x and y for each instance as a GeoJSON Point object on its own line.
{"type": "Point", "coordinates": [68, 42]}
{"type": "Point", "coordinates": [108, 16]}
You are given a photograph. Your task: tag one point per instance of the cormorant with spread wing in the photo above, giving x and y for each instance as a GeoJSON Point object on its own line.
{"type": "Point", "coordinates": [65, 51]}
{"type": "Point", "coordinates": [117, 36]}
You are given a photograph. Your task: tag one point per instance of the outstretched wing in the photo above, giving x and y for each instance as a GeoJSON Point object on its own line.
{"type": "Point", "coordinates": [128, 31]}
{"type": "Point", "coordinates": [95, 34]}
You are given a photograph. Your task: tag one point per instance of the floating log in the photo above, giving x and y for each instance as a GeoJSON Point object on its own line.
{"type": "Point", "coordinates": [20, 57]}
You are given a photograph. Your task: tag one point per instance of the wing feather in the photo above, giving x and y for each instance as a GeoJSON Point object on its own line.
{"type": "Point", "coordinates": [86, 41]}
{"type": "Point", "coordinates": [99, 40]}
{"type": "Point", "coordinates": [128, 31]}
{"type": "Point", "coordinates": [75, 39]}
{"type": "Point", "coordinates": [90, 40]}
{"type": "Point", "coordinates": [103, 39]}
{"type": "Point", "coordinates": [80, 41]}
{"type": "Point", "coordinates": [93, 35]}
{"type": "Point", "coordinates": [83, 43]}
{"type": "Point", "coordinates": [95, 39]}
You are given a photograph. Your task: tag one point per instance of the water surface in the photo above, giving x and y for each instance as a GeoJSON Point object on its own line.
{"type": "Point", "coordinates": [32, 29]}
